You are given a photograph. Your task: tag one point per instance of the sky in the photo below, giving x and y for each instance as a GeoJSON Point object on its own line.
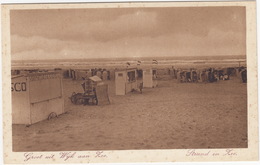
{"type": "Point", "coordinates": [127, 32]}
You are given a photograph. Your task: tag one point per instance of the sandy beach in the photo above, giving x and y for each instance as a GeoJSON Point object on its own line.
{"type": "Point", "coordinates": [171, 116]}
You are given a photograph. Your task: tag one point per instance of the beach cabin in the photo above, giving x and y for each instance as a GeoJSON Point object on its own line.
{"type": "Point", "coordinates": [149, 78]}
{"type": "Point", "coordinates": [65, 74]}
{"type": "Point", "coordinates": [173, 73]}
{"type": "Point", "coordinates": [69, 73]}
{"type": "Point", "coordinates": [104, 75]}
{"type": "Point", "coordinates": [90, 84]}
{"type": "Point", "coordinates": [73, 74]}
{"type": "Point", "coordinates": [79, 74]}
{"type": "Point", "coordinates": [99, 74]}
{"type": "Point", "coordinates": [244, 75]}
{"type": "Point", "coordinates": [36, 96]}
{"type": "Point", "coordinates": [101, 90]}
{"type": "Point", "coordinates": [83, 74]}
{"type": "Point", "coordinates": [163, 71]}
{"type": "Point", "coordinates": [125, 80]}
{"type": "Point", "coordinates": [111, 74]}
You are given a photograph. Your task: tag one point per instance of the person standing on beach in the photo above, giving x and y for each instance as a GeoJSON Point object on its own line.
{"type": "Point", "coordinates": [141, 87]}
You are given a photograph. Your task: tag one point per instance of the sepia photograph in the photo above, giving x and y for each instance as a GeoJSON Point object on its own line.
{"type": "Point", "coordinates": [142, 77]}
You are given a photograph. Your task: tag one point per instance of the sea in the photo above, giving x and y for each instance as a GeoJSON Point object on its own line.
{"type": "Point", "coordinates": [176, 62]}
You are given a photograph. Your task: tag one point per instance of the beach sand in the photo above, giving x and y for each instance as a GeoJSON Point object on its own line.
{"type": "Point", "coordinates": [171, 116]}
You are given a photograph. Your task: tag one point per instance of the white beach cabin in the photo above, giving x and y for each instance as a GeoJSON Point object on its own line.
{"type": "Point", "coordinates": [125, 80]}
{"type": "Point", "coordinates": [149, 78]}
{"type": "Point", "coordinates": [36, 96]}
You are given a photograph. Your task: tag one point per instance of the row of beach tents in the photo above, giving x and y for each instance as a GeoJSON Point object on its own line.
{"type": "Point", "coordinates": [79, 74]}
{"type": "Point", "coordinates": [193, 75]}
{"type": "Point", "coordinates": [182, 75]}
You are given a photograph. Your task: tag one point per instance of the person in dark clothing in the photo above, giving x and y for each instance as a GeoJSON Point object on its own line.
{"type": "Point", "coordinates": [244, 75]}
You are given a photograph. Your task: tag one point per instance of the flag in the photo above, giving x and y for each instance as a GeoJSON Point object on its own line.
{"type": "Point", "coordinates": [155, 62]}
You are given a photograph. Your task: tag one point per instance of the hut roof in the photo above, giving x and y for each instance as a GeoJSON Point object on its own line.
{"type": "Point", "coordinates": [17, 76]}
{"type": "Point", "coordinates": [95, 78]}
{"type": "Point", "coordinates": [34, 74]}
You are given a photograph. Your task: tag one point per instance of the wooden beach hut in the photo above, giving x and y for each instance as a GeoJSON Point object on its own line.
{"type": "Point", "coordinates": [150, 78]}
{"type": "Point", "coordinates": [36, 96]}
{"type": "Point", "coordinates": [104, 75]}
{"type": "Point", "coordinates": [111, 74]}
{"type": "Point", "coordinates": [125, 80]}
{"type": "Point", "coordinates": [96, 85]}
{"type": "Point", "coordinates": [99, 74]}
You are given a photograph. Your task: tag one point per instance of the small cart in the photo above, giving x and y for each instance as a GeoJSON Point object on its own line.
{"type": "Point", "coordinates": [89, 96]}
{"type": "Point", "coordinates": [83, 98]}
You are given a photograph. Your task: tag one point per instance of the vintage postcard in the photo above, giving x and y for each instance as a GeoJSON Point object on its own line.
{"type": "Point", "coordinates": [130, 82]}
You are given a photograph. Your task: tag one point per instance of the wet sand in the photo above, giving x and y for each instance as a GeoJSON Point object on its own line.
{"type": "Point", "coordinates": [171, 116]}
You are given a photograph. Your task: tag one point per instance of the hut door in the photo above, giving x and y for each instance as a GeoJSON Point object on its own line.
{"type": "Point", "coordinates": [148, 78]}
{"type": "Point", "coordinates": [120, 83]}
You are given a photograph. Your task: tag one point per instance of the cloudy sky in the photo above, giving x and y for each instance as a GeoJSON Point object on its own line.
{"type": "Point", "coordinates": [128, 32]}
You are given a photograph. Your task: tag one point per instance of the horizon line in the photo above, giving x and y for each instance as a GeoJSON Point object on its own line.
{"type": "Point", "coordinates": [120, 57]}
